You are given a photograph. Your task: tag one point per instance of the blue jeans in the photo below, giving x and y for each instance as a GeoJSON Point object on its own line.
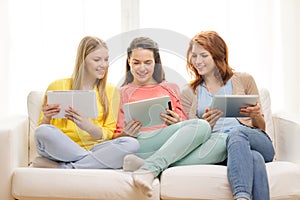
{"type": "Point", "coordinates": [53, 144]}
{"type": "Point", "coordinates": [248, 150]}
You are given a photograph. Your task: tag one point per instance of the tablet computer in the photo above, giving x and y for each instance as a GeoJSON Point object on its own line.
{"type": "Point", "coordinates": [147, 111]}
{"type": "Point", "coordinates": [231, 104]}
{"type": "Point", "coordinates": [82, 100]}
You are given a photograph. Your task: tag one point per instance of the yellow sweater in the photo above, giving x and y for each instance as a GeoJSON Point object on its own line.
{"type": "Point", "coordinates": [79, 136]}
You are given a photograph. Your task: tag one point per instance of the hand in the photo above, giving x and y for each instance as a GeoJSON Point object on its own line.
{"type": "Point", "coordinates": [49, 110]}
{"type": "Point", "coordinates": [170, 117]}
{"type": "Point", "coordinates": [80, 120]}
{"type": "Point", "coordinates": [212, 116]}
{"type": "Point", "coordinates": [252, 111]}
{"type": "Point", "coordinates": [132, 128]}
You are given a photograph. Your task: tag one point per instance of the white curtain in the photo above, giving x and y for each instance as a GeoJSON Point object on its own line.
{"type": "Point", "coordinates": [41, 36]}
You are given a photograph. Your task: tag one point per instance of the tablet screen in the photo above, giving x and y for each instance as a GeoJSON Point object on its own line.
{"type": "Point", "coordinates": [147, 111]}
{"type": "Point", "coordinates": [231, 104]}
{"type": "Point", "coordinates": [82, 100]}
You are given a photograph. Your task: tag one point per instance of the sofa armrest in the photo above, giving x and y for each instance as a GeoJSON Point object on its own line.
{"type": "Point", "coordinates": [287, 136]}
{"type": "Point", "coordinates": [13, 149]}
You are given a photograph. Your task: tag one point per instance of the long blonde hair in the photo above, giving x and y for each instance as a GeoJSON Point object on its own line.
{"type": "Point", "coordinates": [86, 46]}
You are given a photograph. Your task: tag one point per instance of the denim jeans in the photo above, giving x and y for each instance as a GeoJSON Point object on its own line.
{"type": "Point", "coordinates": [53, 144]}
{"type": "Point", "coordinates": [248, 150]}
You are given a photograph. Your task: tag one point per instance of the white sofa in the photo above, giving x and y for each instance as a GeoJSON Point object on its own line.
{"type": "Point", "coordinates": [209, 182]}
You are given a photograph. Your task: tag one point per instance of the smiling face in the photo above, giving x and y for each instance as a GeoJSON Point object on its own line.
{"type": "Point", "coordinates": [96, 64]}
{"type": "Point", "coordinates": [142, 65]}
{"type": "Point", "coordinates": [202, 60]}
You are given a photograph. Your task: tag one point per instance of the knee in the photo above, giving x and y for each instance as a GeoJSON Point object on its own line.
{"type": "Point", "coordinates": [203, 127]}
{"type": "Point", "coordinates": [236, 136]}
{"type": "Point", "coordinates": [269, 157]}
{"type": "Point", "coordinates": [131, 144]}
{"type": "Point", "coordinates": [199, 128]}
{"type": "Point", "coordinates": [257, 157]}
{"type": "Point", "coordinates": [134, 145]}
{"type": "Point", "coordinates": [204, 124]}
{"type": "Point", "coordinates": [199, 123]}
{"type": "Point", "coordinates": [195, 122]}
{"type": "Point", "coordinates": [42, 131]}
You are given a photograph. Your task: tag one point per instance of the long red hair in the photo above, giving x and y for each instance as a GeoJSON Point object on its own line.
{"type": "Point", "coordinates": [216, 46]}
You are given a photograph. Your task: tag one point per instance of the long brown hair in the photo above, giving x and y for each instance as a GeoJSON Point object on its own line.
{"type": "Point", "coordinates": [216, 46]}
{"type": "Point", "coordinates": [145, 43]}
{"type": "Point", "coordinates": [87, 45]}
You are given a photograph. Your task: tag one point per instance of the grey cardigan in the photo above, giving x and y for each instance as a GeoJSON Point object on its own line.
{"type": "Point", "coordinates": [242, 83]}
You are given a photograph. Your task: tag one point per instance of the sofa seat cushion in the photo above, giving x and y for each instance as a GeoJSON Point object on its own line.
{"type": "Point", "coordinates": [210, 182]}
{"type": "Point", "coordinates": [62, 184]}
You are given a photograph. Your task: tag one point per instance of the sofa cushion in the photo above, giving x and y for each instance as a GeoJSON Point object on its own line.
{"type": "Point", "coordinates": [195, 182]}
{"type": "Point", "coordinates": [210, 182]}
{"type": "Point", "coordinates": [34, 103]}
{"type": "Point", "coordinates": [57, 184]}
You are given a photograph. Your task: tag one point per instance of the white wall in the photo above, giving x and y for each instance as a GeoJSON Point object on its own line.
{"type": "Point", "coordinates": [4, 56]}
{"type": "Point", "coordinates": [262, 37]}
{"type": "Point", "coordinates": [290, 26]}
{"type": "Point", "coordinates": [265, 45]}
{"type": "Point", "coordinates": [44, 39]}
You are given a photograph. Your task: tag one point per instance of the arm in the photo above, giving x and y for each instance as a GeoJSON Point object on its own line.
{"type": "Point", "coordinates": [48, 111]}
{"type": "Point", "coordinates": [256, 116]}
{"type": "Point", "coordinates": [176, 114]}
{"type": "Point", "coordinates": [121, 119]}
{"type": "Point", "coordinates": [129, 94]}
{"type": "Point", "coordinates": [255, 111]}
{"type": "Point", "coordinates": [189, 102]}
{"type": "Point", "coordinates": [246, 83]}
{"type": "Point", "coordinates": [99, 128]}
{"type": "Point", "coordinates": [122, 129]}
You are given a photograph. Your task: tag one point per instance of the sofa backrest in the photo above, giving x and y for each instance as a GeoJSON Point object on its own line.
{"type": "Point", "coordinates": [265, 101]}
{"type": "Point", "coordinates": [34, 104]}
{"type": "Point", "coordinates": [35, 100]}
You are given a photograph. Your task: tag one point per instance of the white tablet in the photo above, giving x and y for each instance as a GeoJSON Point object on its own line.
{"type": "Point", "coordinates": [82, 100]}
{"type": "Point", "coordinates": [147, 111]}
{"type": "Point", "coordinates": [231, 104]}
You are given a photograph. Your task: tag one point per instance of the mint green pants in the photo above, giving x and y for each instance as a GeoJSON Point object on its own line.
{"type": "Point", "coordinates": [210, 152]}
{"type": "Point", "coordinates": [174, 144]}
